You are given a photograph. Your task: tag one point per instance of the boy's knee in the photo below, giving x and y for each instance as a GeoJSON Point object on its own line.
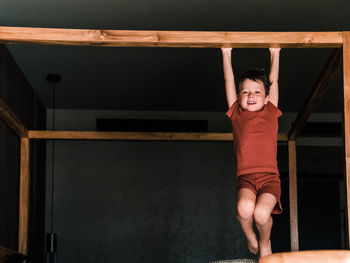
{"type": "Point", "coordinates": [245, 208]}
{"type": "Point", "coordinates": [261, 215]}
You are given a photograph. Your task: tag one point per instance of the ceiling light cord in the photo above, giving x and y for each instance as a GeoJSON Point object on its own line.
{"type": "Point", "coordinates": [52, 237]}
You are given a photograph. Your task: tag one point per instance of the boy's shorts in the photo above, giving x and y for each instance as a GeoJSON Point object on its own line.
{"type": "Point", "coordinates": [260, 183]}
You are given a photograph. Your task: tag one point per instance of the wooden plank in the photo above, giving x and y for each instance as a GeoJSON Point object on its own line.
{"type": "Point", "coordinates": [315, 256]}
{"type": "Point", "coordinates": [317, 92]}
{"type": "Point", "coordinates": [346, 75]}
{"type": "Point", "coordinates": [143, 136]}
{"type": "Point", "coordinates": [143, 38]}
{"type": "Point", "coordinates": [23, 221]}
{"type": "Point", "coordinates": [8, 255]}
{"type": "Point", "coordinates": [11, 120]}
{"type": "Point", "coordinates": [293, 197]}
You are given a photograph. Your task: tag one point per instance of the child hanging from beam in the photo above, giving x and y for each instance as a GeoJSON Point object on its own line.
{"type": "Point", "coordinates": [253, 110]}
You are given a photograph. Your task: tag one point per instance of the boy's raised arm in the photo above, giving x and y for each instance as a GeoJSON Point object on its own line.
{"type": "Point", "coordinates": [274, 70]}
{"type": "Point", "coordinates": [230, 86]}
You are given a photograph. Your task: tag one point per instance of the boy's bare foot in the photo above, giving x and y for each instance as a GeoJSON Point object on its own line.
{"type": "Point", "coordinates": [253, 246]}
{"type": "Point", "coordinates": [265, 248]}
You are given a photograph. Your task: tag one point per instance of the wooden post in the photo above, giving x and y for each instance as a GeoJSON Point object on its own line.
{"type": "Point", "coordinates": [293, 196]}
{"type": "Point", "coordinates": [24, 197]}
{"type": "Point", "coordinates": [346, 72]}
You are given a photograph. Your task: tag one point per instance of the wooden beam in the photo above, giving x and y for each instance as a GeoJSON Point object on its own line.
{"type": "Point", "coordinates": [24, 197]}
{"type": "Point", "coordinates": [11, 119]}
{"type": "Point", "coordinates": [317, 92]}
{"type": "Point", "coordinates": [293, 197]}
{"type": "Point", "coordinates": [137, 136]}
{"type": "Point", "coordinates": [313, 256]}
{"type": "Point", "coordinates": [346, 75]}
{"type": "Point", "coordinates": [8, 255]}
{"type": "Point", "coordinates": [143, 38]}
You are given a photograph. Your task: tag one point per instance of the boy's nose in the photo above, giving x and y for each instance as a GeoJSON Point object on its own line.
{"type": "Point", "coordinates": [250, 94]}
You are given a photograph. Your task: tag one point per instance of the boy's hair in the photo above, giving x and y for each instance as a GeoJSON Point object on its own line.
{"type": "Point", "coordinates": [255, 74]}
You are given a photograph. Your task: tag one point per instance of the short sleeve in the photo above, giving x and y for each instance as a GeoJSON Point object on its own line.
{"type": "Point", "coordinates": [275, 111]}
{"type": "Point", "coordinates": [232, 109]}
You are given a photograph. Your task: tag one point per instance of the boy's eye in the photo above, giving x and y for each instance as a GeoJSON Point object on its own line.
{"type": "Point", "coordinates": [244, 92]}
{"type": "Point", "coordinates": [257, 91]}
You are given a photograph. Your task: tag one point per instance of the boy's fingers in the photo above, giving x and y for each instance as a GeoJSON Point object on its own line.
{"type": "Point", "coordinates": [226, 49]}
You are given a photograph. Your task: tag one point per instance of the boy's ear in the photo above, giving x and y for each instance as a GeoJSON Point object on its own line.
{"type": "Point", "coordinates": [267, 99]}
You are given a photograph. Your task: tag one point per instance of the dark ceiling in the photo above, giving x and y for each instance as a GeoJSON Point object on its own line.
{"type": "Point", "coordinates": [170, 79]}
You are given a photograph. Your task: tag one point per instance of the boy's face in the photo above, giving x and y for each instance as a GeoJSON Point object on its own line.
{"type": "Point", "coordinates": [252, 95]}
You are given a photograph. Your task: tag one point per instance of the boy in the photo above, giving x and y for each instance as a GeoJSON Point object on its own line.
{"type": "Point", "coordinates": [254, 115]}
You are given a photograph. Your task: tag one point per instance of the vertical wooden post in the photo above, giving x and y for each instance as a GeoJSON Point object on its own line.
{"type": "Point", "coordinates": [346, 72]}
{"type": "Point", "coordinates": [293, 196]}
{"type": "Point", "coordinates": [24, 196]}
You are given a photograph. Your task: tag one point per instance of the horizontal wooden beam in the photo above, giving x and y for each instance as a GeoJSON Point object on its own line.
{"type": "Point", "coordinates": [143, 38]}
{"type": "Point", "coordinates": [11, 120]}
{"type": "Point", "coordinates": [317, 92]}
{"type": "Point", "coordinates": [135, 136]}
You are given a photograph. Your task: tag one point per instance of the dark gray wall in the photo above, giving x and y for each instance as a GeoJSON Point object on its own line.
{"type": "Point", "coordinates": [145, 202]}
{"type": "Point", "coordinates": [9, 187]}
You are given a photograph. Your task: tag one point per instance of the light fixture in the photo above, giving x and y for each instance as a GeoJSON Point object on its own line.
{"type": "Point", "coordinates": [51, 246]}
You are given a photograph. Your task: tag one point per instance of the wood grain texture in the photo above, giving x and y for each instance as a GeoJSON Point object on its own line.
{"type": "Point", "coordinates": [293, 196]}
{"type": "Point", "coordinates": [346, 76]}
{"type": "Point", "coordinates": [143, 38]}
{"type": "Point", "coordinates": [23, 222]}
{"type": "Point", "coordinates": [11, 120]}
{"type": "Point", "coordinates": [142, 136]}
{"type": "Point", "coordinates": [322, 83]}
{"type": "Point", "coordinates": [316, 256]}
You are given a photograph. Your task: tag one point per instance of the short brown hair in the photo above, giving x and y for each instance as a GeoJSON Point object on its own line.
{"type": "Point", "coordinates": [255, 74]}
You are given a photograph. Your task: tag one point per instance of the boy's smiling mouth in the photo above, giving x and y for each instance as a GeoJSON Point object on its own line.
{"type": "Point", "coordinates": [251, 102]}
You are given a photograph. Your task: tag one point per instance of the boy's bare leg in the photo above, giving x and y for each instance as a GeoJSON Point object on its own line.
{"type": "Point", "coordinates": [245, 208]}
{"type": "Point", "coordinates": [263, 221]}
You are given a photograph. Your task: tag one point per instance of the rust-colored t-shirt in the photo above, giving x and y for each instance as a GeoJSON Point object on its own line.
{"type": "Point", "coordinates": [255, 136]}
